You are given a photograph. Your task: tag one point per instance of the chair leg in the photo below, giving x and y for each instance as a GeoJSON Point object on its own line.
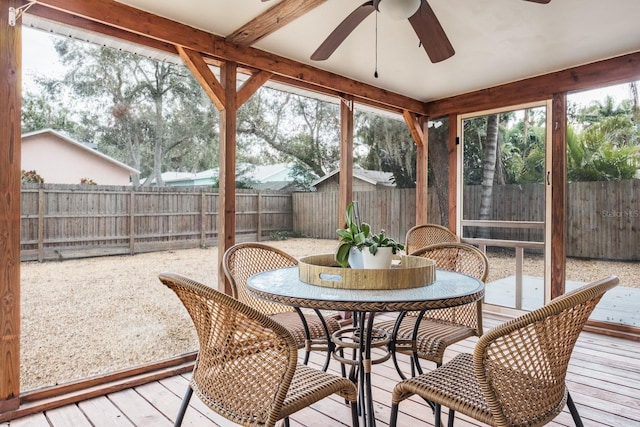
{"type": "Point", "coordinates": [183, 407]}
{"type": "Point", "coordinates": [438, 414]}
{"type": "Point", "coordinates": [574, 411]}
{"type": "Point", "coordinates": [355, 422]}
{"type": "Point", "coordinates": [452, 418]}
{"type": "Point", "coordinates": [394, 415]}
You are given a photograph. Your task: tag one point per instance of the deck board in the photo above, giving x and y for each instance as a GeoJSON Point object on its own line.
{"type": "Point", "coordinates": [603, 378]}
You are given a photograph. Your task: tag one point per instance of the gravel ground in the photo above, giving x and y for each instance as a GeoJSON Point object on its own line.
{"type": "Point", "coordinates": [91, 316]}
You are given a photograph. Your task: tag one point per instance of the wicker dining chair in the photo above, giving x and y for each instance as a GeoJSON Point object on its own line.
{"type": "Point", "coordinates": [427, 234]}
{"type": "Point", "coordinates": [243, 260]}
{"type": "Point", "coordinates": [516, 374]}
{"type": "Point", "coordinates": [442, 327]}
{"type": "Point", "coordinates": [247, 367]}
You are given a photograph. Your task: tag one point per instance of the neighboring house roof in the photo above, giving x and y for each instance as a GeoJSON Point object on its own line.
{"type": "Point", "coordinates": [265, 177]}
{"type": "Point", "coordinates": [372, 177]}
{"type": "Point", "coordinates": [89, 147]}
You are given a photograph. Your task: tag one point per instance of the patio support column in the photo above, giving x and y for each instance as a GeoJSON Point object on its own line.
{"type": "Point", "coordinates": [558, 220]}
{"type": "Point", "coordinates": [453, 173]}
{"type": "Point", "coordinates": [10, 141]}
{"type": "Point", "coordinates": [227, 100]}
{"type": "Point", "coordinates": [419, 132]}
{"type": "Point", "coordinates": [346, 157]}
{"type": "Point", "coordinates": [227, 201]}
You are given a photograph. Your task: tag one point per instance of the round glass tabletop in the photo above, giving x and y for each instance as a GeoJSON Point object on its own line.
{"type": "Point", "coordinates": [283, 285]}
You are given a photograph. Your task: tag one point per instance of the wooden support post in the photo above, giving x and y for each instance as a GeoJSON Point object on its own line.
{"type": "Point", "coordinates": [346, 158]}
{"type": "Point", "coordinates": [422, 174]}
{"type": "Point", "coordinates": [10, 187]}
{"type": "Point", "coordinates": [558, 182]}
{"type": "Point", "coordinates": [227, 203]}
{"type": "Point", "coordinates": [346, 165]}
{"type": "Point", "coordinates": [453, 174]}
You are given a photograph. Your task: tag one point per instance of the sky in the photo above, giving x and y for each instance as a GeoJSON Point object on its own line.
{"type": "Point", "coordinates": [38, 56]}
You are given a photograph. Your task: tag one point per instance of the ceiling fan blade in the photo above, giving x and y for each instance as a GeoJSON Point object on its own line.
{"type": "Point", "coordinates": [539, 1]}
{"type": "Point", "coordinates": [343, 30]}
{"type": "Point", "coordinates": [431, 34]}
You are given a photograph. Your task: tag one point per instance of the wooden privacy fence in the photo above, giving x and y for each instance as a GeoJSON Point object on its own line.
{"type": "Point", "coordinates": [69, 221]}
{"type": "Point", "coordinates": [603, 218]}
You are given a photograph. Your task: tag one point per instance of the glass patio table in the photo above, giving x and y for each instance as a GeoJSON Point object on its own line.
{"type": "Point", "coordinates": [283, 285]}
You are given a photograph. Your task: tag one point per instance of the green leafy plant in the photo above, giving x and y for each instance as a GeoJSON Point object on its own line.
{"type": "Point", "coordinates": [381, 240]}
{"type": "Point", "coordinates": [31, 176]}
{"type": "Point", "coordinates": [354, 235]}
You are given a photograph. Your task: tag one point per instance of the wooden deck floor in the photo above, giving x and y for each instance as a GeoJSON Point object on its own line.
{"type": "Point", "coordinates": [603, 377]}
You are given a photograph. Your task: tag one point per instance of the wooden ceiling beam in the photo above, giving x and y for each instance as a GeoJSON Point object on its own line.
{"type": "Point", "coordinates": [250, 86]}
{"type": "Point", "coordinates": [415, 127]}
{"type": "Point", "coordinates": [204, 76]}
{"type": "Point", "coordinates": [314, 88]}
{"type": "Point", "coordinates": [621, 69]}
{"type": "Point", "coordinates": [272, 20]}
{"type": "Point", "coordinates": [121, 16]}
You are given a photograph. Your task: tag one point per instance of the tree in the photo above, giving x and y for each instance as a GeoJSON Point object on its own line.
{"type": "Point", "coordinates": [150, 111]}
{"type": "Point", "coordinates": [40, 111]}
{"type": "Point", "coordinates": [390, 147]}
{"type": "Point", "coordinates": [278, 126]}
{"type": "Point", "coordinates": [603, 142]}
{"type": "Point", "coordinates": [596, 154]}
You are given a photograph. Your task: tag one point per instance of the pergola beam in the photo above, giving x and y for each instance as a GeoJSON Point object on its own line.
{"type": "Point", "coordinates": [272, 20]}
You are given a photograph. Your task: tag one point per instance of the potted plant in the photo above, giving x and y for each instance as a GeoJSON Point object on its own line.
{"type": "Point", "coordinates": [356, 237]}
{"type": "Point", "coordinates": [381, 249]}
{"type": "Point", "coordinates": [353, 238]}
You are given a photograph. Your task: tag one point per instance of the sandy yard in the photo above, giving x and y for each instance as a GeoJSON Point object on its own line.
{"type": "Point", "coordinates": [92, 316]}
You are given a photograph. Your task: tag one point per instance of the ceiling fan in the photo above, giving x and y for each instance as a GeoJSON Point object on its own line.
{"type": "Point", "coordinates": [420, 15]}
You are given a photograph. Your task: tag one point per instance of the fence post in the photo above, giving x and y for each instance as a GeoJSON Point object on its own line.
{"type": "Point", "coordinates": [132, 219]}
{"type": "Point", "coordinates": [259, 237]}
{"type": "Point", "coordinates": [40, 224]}
{"type": "Point", "coordinates": [203, 202]}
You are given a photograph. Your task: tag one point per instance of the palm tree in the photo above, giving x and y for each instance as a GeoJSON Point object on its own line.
{"type": "Point", "coordinates": [490, 154]}
{"type": "Point", "coordinates": [603, 151]}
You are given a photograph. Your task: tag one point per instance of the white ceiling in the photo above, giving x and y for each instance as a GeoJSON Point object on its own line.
{"type": "Point", "coordinates": [496, 41]}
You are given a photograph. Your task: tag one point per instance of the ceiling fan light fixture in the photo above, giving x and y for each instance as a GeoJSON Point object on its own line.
{"type": "Point", "coordinates": [399, 9]}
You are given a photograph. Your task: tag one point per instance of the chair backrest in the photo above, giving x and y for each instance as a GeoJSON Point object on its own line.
{"type": "Point", "coordinates": [246, 360]}
{"type": "Point", "coordinates": [521, 365]}
{"type": "Point", "coordinates": [427, 234]}
{"type": "Point", "coordinates": [462, 258]}
{"type": "Point", "coordinates": [459, 257]}
{"type": "Point", "coordinates": [243, 260]}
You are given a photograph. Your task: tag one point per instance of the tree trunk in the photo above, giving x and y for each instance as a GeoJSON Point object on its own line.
{"type": "Point", "coordinates": [488, 172]}
{"type": "Point", "coordinates": [439, 162]}
{"type": "Point", "coordinates": [158, 151]}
